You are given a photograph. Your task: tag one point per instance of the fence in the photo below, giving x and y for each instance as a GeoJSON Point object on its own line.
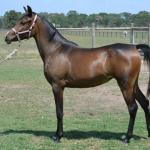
{"type": "Point", "coordinates": [122, 34]}
{"type": "Point", "coordinates": [93, 37]}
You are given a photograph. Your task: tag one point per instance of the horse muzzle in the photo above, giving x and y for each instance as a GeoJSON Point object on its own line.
{"type": "Point", "coordinates": [8, 40]}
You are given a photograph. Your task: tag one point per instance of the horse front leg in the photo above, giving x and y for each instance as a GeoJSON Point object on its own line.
{"type": "Point", "coordinates": [58, 95]}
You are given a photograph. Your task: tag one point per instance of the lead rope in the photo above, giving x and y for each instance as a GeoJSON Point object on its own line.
{"type": "Point", "coordinates": [9, 56]}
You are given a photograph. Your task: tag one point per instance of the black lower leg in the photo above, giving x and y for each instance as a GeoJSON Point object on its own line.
{"type": "Point", "coordinates": [147, 116]}
{"type": "Point", "coordinates": [59, 132]}
{"type": "Point", "coordinates": [58, 94]}
{"type": "Point", "coordinates": [144, 102]}
{"type": "Point", "coordinates": [132, 111]}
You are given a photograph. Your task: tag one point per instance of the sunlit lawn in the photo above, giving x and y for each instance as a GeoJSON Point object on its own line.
{"type": "Point", "coordinates": [94, 119]}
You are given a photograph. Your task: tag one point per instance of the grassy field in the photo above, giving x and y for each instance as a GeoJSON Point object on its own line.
{"type": "Point", "coordinates": [94, 118]}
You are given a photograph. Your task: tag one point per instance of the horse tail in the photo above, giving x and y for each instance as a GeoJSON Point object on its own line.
{"type": "Point", "coordinates": [145, 50]}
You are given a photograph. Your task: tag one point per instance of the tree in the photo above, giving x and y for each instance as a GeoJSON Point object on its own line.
{"type": "Point", "coordinates": [72, 18]}
{"type": "Point", "coordinates": [115, 20]}
{"type": "Point", "coordinates": [142, 18]}
{"type": "Point", "coordinates": [58, 19]}
{"type": "Point", "coordinates": [82, 20]}
{"type": "Point", "coordinates": [10, 18]}
{"type": "Point", "coordinates": [103, 19]}
{"type": "Point", "coordinates": [127, 18]}
{"type": "Point", "coordinates": [44, 15]}
{"type": "Point", "coordinates": [1, 22]}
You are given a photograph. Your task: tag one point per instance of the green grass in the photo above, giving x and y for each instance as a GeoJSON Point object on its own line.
{"type": "Point", "coordinates": [94, 119]}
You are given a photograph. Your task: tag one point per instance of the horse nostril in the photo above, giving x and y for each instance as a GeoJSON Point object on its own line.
{"type": "Point", "coordinates": [6, 38]}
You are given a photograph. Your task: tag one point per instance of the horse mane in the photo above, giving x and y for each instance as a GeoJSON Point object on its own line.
{"type": "Point", "coordinates": [56, 35]}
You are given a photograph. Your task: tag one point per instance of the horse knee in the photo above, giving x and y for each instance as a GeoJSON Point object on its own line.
{"type": "Point", "coordinates": [59, 115]}
{"type": "Point", "coordinates": [143, 101]}
{"type": "Point", "coordinates": [148, 106]}
{"type": "Point", "coordinates": [133, 108]}
{"type": "Point", "coordinates": [145, 105]}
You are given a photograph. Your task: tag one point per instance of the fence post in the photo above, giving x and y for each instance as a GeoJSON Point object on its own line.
{"type": "Point", "coordinates": [93, 35]}
{"type": "Point", "coordinates": [132, 34]}
{"type": "Point", "coordinates": [149, 34]}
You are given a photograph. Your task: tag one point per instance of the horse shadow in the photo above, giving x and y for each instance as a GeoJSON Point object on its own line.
{"type": "Point", "coordinates": [73, 134]}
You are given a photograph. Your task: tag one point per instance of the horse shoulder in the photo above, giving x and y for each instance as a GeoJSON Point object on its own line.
{"type": "Point", "coordinates": [56, 66]}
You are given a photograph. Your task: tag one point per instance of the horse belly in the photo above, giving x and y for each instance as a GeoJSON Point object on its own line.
{"type": "Point", "coordinates": [86, 83]}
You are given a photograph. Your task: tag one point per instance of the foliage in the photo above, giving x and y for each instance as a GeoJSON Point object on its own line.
{"type": "Point", "coordinates": [10, 18]}
{"type": "Point", "coordinates": [75, 19]}
{"type": "Point", "coordinates": [142, 18]}
{"type": "Point", "coordinates": [1, 22]}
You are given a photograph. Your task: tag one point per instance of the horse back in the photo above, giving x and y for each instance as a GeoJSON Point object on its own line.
{"type": "Point", "coordinates": [107, 61]}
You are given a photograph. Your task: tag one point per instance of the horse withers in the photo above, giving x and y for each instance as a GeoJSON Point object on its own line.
{"type": "Point", "coordinates": [68, 65]}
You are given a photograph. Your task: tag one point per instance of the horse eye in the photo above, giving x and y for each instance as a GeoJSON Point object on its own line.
{"type": "Point", "coordinates": [22, 22]}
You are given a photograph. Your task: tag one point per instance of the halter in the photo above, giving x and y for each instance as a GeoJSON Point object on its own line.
{"type": "Point", "coordinates": [26, 31]}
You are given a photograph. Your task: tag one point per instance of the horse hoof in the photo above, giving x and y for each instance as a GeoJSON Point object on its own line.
{"type": "Point", "coordinates": [125, 139]}
{"type": "Point", "coordinates": [56, 139]}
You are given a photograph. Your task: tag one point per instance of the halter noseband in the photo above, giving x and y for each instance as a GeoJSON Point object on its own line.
{"type": "Point", "coordinates": [26, 31]}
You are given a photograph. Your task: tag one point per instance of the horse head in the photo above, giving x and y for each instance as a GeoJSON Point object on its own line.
{"type": "Point", "coordinates": [24, 28]}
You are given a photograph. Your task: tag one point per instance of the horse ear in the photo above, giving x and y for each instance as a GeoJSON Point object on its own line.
{"type": "Point", "coordinates": [29, 10]}
{"type": "Point", "coordinates": [25, 9]}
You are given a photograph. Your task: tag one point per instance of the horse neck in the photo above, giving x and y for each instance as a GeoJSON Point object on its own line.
{"type": "Point", "coordinates": [47, 43]}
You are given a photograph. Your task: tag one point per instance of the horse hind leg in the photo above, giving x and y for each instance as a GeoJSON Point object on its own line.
{"type": "Point", "coordinates": [132, 107]}
{"type": "Point", "coordinates": [144, 102]}
{"type": "Point", "coordinates": [128, 94]}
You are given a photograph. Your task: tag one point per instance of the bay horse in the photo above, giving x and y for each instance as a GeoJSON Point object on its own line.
{"type": "Point", "coordinates": [68, 65]}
